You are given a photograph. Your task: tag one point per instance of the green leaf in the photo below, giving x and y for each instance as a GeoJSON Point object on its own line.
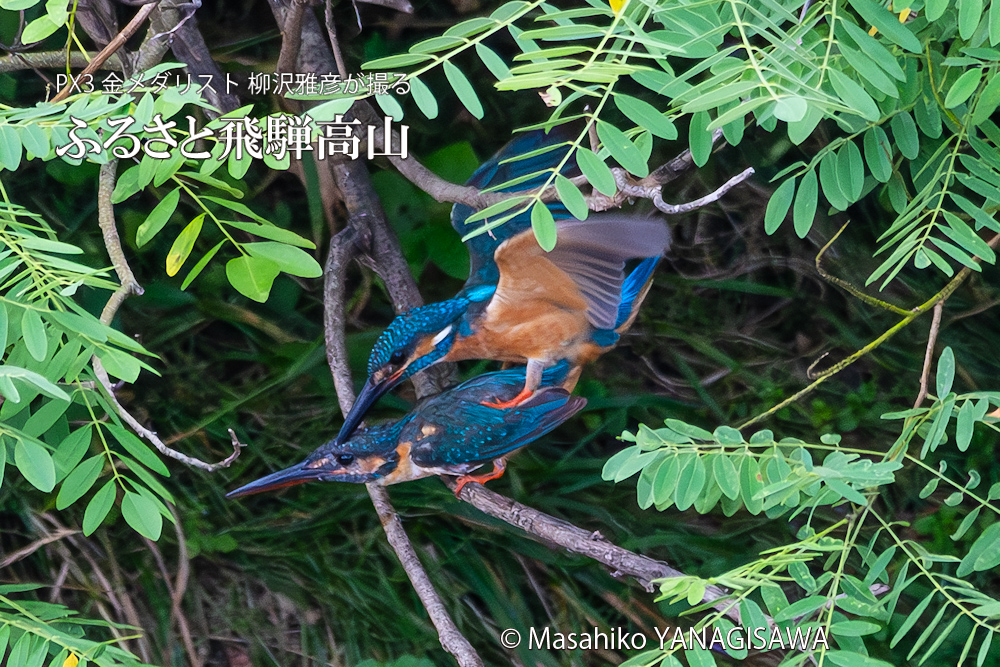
{"type": "Point", "coordinates": [852, 659]}
{"type": "Point", "coordinates": [904, 130]}
{"type": "Point", "coordinates": [806, 199]}
{"type": "Point", "coordinates": [945, 373]}
{"type": "Point", "coordinates": [79, 481]}
{"type": "Point", "coordinates": [935, 8]}
{"type": "Point", "coordinates": [543, 225]}
{"type": "Point", "coordinates": [397, 61]}
{"type": "Point", "coordinates": [134, 446]}
{"type": "Point", "coordinates": [888, 24]}
{"type": "Point", "coordinates": [690, 484]}
{"type": "Point", "coordinates": [878, 154]}
{"type": "Point", "coordinates": [328, 111]}
{"type": "Point", "coordinates": [183, 245]}
{"type": "Point", "coordinates": [39, 29]}
{"type": "Point", "coordinates": [252, 276]}
{"type": "Point", "coordinates": [424, 98]}
{"type": "Point", "coordinates": [596, 171]}
{"type": "Point", "coordinates": [10, 148]}
{"type": "Point", "coordinates": [854, 628]}
{"type": "Point", "coordinates": [830, 182]}
{"type": "Point", "coordinates": [157, 218]}
{"type": "Point", "coordinates": [969, 14]}
{"type": "Point", "coordinates": [493, 62]}
{"type": "Point", "coordinates": [35, 463]}
{"type": "Point", "coordinates": [271, 232]}
{"type": "Point", "coordinates": [142, 514]}
{"type": "Point", "coordinates": [289, 259]}
{"type": "Point", "coordinates": [778, 205]}
{"type": "Point", "coordinates": [966, 85]}
{"type": "Point", "coordinates": [202, 263]}
{"type": "Point", "coordinates": [98, 507]}
{"type": "Point", "coordinates": [790, 108]}
{"type": "Point", "coordinates": [989, 100]}
{"type": "Point", "coordinates": [622, 149]}
{"type": "Point", "coordinates": [35, 338]}
{"type": "Point", "coordinates": [700, 138]}
{"type": "Point", "coordinates": [966, 524]}
{"type": "Point", "coordinates": [869, 71]}
{"type": "Point", "coordinates": [646, 116]}
{"type": "Point", "coordinates": [984, 553]}
{"type": "Point", "coordinates": [964, 425]}
{"type": "Point", "coordinates": [71, 450]}
{"type": "Point", "coordinates": [571, 197]}
{"type": "Point", "coordinates": [727, 476]}
{"type": "Point", "coordinates": [850, 171]}
{"type": "Point", "coordinates": [994, 19]}
{"type": "Point", "coordinates": [854, 96]}
{"type": "Point", "coordinates": [912, 619]}
{"type": "Point", "coordinates": [390, 106]}
{"type": "Point", "coordinates": [802, 607]}
{"type": "Point", "coordinates": [466, 93]}
{"type": "Point", "coordinates": [38, 381]}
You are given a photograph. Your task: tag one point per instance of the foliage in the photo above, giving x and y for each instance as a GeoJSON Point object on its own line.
{"type": "Point", "coordinates": [684, 466]}
{"type": "Point", "coordinates": [39, 633]}
{"type": "Point", "coordinates": [884, 114]}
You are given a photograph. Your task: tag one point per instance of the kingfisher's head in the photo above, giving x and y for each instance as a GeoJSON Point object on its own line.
{"type": "Point", "coordinates": [415, 340]}
{"type": "Point", "coordinates": [368, 457]}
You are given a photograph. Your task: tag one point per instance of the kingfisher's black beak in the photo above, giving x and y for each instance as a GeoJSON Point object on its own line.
{"type": "Point", "coordinates": [369, 394]}
{"type": "Point", "coordinates": [297, 474]}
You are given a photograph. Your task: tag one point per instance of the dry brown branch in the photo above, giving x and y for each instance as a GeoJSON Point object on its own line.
{"type": "Point", "coordinates": [555, 531]}
{"type": "Point", "coordinates": [129, 286]}
{"type": "Point", "coordinates": [929, 353]}
{"type": "Point", "coordinates": [54, 60]}
{"type": "Point", "coordinates": [365, 214]}
{"type": "Point", "coordinates": [113, 45]}
{"type": "Point", "coordinates": [26, 551]}
{"type": "Point", "coordinates": [446, 191]}
{"type": "Point", "coordinates": [628, 190]}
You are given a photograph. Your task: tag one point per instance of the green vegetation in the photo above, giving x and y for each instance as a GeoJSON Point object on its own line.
{"type": "Point", "coordinates": [765, 397]}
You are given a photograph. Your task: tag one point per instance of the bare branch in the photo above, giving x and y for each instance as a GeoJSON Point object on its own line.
{"type": "Point", "coordinates": [551, 530]}
{"type": "Point", "coordinates": [129, 286]}
{"type": "Point", "coordinates": [629, 190]}
{"type": "Point", "coordinates": [929, 352]}
{"type": "Point", "coordinates": [113, 45]}
{"type": "Point", "coordinates": [54, 60]}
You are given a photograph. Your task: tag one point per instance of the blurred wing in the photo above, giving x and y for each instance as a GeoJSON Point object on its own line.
{"type": "Point", "coordinates": [588, 262]}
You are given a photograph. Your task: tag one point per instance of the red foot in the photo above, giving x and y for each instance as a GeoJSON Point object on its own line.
{"type": "Point", "coordinates": [499, 466]}
{"type": "Point", "coordinates": [503, 405]}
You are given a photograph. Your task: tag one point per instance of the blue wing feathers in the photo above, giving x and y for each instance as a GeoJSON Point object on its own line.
{"type": "Point", "coordinates": [633, 287]}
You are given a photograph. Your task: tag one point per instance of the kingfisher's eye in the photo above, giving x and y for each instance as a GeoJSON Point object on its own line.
{"type": "Point", "coordinates": [345, 459]}
{"type": "Point", "coordinates": [397, 357]}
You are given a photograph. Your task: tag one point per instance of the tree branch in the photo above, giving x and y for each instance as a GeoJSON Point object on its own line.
{"type": "Point", "coordinates": [129, 286]}
{"type": "Point", "coordinates": [113, 45]}
{"type": "Point", "coordinates": [551, 530]}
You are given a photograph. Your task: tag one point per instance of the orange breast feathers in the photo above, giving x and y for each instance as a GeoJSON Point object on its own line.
{"type": "Point", "coordinates": [537, 312]}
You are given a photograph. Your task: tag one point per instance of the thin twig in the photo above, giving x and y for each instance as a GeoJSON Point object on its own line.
{"type": "Point", "coordinates": [628, 190]}
{"type": "Point", "coordinates": [112, 46]}
{"type": "Point", "coordinates": [26, 551]}
{"type": "Point", "coordinates": [854, 291]}
{"type": "Point", "coordinates": [129, 286]}
{"type": "Point", "coordinates": [943, 295]}
{"type": "Point", "coordinates": [925, 374]}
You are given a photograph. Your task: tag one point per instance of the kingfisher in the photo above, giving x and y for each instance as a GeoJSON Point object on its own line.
{"type": "Point", "coordinates": [451, 433]}
{"type": "Point", "coordinates": [521, 304]}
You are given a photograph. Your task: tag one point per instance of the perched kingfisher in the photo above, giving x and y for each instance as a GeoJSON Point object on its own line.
{"type": "Point", "coordinates": [521, 304]}
{"type": "Point", "coordinates": [451, 433]}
